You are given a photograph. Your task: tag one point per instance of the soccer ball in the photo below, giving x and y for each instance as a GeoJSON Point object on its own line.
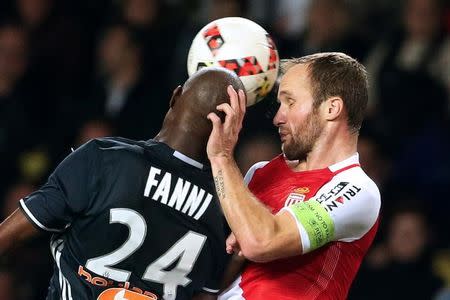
{"type": "Point", "coordinates": [239, 45]}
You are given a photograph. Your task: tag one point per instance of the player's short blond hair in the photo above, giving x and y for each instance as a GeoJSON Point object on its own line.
{"type": "Point", "coordinates": [336, 74]}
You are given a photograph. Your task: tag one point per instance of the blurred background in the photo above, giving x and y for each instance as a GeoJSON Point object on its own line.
{"type": "Point", "coordinates": [72, 70]}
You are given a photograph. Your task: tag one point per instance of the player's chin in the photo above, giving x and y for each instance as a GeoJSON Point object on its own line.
{"type": "Point", "coordinates": [288, 152]}
{"type": "Point", "coordinates": [285, 150]}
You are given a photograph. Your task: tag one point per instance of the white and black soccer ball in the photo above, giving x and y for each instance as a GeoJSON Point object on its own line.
{"type": "Point", "coordinates": [242, 46]}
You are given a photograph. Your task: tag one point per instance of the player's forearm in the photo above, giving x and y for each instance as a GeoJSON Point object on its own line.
{"type": "Point", "coordinates": [14, 229]}
{"type": "Point", "coordinates": [251, 222]}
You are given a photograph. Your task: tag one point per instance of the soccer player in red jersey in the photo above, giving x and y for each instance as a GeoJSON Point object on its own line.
{"type": "Point", "coordinates": [307, 217]}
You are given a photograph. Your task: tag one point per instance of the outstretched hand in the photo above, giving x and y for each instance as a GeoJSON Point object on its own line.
{"type": "Point", "coordinates": [224, 136]}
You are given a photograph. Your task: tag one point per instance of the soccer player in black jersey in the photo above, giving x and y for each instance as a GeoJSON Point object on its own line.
{"type": "Point", "coordinates": [136, 219]}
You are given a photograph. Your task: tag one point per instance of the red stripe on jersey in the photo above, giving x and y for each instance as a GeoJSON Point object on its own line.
{"type": "Point", "coordinates": [346, 168]}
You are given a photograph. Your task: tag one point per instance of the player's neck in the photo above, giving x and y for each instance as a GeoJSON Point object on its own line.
{"type": "Point", "coordinates": [329, 150]}
{"type": "Point", "coordinates": [184, 141]}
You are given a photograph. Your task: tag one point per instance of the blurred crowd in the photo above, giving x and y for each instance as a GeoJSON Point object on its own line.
{"type": "Point", "coordinates": [73, 70]}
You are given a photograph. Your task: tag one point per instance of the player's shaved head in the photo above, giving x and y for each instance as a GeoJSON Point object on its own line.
{"type": "Point", "coordinates": [185, 126]}
{"type": "Point", "coordinates": [206, 89]}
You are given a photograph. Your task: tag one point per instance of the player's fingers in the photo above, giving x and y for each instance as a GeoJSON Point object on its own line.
{"type": "Point", "coordinates": [230, 114]}
{"type": "Point", "coordinates": [242, 101]}
{"type": "Point", "coordinates": [234, 101]}
{"type": "Point", "coordinates": [231, 240]}
{"type": "Point", "coordinates": [226, 108]}
{"type": "Point", "coordinates": [215, 120]}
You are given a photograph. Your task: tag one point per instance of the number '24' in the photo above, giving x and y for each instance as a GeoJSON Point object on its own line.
{"type": "Point", "coordinates": [185, 249]}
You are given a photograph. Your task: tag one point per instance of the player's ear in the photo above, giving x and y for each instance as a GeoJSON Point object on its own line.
{"type": "Point", "coordinates": [175, 95]}
{"type": "Point", "coordinates": [334, 107]}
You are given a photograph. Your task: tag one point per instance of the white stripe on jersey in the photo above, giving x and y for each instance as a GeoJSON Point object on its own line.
{"type": "Point", "coordinates": [209, 290]}
{"type": "Point", "coordinates": [188, 160]}
{"type": "Point", "coordinates": [234, 292]}
{"type": "Point", "coordinates": [249, 175]}
{"type": "Point", "coordinates": [66, 290]}
{"type": "Point", "coordinates": [36, 221]}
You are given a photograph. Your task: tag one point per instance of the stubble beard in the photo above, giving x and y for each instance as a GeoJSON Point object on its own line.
{"type": "Point", "coordinates": [303, 142]}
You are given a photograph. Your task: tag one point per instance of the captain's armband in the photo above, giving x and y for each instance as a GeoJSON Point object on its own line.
{"type": "Point", "coordinates": [316, 221]}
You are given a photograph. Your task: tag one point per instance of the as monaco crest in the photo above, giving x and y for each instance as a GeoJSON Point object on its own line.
{"type": "Point", "coordinates": [298, 195]}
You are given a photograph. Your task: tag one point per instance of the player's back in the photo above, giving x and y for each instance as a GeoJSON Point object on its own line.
{"type": "Point", "coordinates": [144, 218]}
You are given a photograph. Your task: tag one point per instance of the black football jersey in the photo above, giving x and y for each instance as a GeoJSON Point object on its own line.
{"type": "Point", "coordinates": [133, 215]}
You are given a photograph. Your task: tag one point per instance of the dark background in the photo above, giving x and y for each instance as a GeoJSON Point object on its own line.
{"type": "Point", "coordinates": [74, 70]}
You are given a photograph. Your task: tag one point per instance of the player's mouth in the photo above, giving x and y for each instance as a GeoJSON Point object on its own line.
{"type": "Point", "coordinates": [283, 135]}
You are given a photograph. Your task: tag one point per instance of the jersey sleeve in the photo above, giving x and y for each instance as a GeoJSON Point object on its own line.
{"type": "Point", "coordinates": [67, 192]}
{"type": "Point", "coordinates": [340, 211]}
{"type": "Point", "coordinates": [217, 270]}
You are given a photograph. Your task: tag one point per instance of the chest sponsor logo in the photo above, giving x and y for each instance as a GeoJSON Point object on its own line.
{"type": "Point", "coordinates": [115, 289]}
{"type": "Point", "coordinates": [177, 193]}
{"type": "Point", "coordinates": [121, 294]}
{"type": "Point", "coordinates": [338, 195]}
{"type": "Point", "coordinates": [298, 195]}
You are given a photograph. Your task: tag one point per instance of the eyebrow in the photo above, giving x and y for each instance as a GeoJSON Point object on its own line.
{"type": "Point", "coordinates": [285, 93]}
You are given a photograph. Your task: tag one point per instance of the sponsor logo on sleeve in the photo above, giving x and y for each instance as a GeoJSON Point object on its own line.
{"type": "Point", "coordinates": [338, 195]}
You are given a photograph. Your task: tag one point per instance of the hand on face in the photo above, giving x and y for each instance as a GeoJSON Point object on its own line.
{"type": "Point", "coordinates": [224, 136]}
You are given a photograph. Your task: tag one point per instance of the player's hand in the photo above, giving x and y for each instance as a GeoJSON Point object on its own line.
{"type": "Point", "coordinates": [224, 135]}
{"type": "Point", "coordinates": [232, 245]}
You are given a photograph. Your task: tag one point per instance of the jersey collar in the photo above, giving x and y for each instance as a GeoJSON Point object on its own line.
{"type": "Point", "coordinates": [354, 159]}
{"type": "Point", "coordinates": [188, 160]}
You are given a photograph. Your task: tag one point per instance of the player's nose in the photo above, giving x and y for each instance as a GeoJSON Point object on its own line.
{"type": "Point", "coordinates": [280, 117]}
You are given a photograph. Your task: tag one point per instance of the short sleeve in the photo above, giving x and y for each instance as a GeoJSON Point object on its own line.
{"type": "Point", "coordinates": [341, 211]}
{"type": "Point", "coordinates": [67, 192]}
{"type": "Point", "coordinates": [217, 270]}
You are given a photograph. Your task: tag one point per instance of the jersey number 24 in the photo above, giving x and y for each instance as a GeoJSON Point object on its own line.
{"type": "Point", "coordinates": [185, 249]}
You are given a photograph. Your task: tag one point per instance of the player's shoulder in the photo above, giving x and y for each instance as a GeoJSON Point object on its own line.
{"type": "Point", "coordinates": [258, 165]}
{"type": "Point", "coordinates": [115, 143]}
{"type": "Point", "coordinates": [251, 171]}
{"type": "Point", "coordinates": [265, 167]}
{"type": "Point", "coordinates": [349, 189]}
{"type": "Point", "coordinates": [120, 144]}
{"type": "Point", "coordinates": [356, 176]}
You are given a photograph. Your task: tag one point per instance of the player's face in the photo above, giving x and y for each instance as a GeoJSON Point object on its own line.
{"type": "Point", "coordinates": [299, 124]}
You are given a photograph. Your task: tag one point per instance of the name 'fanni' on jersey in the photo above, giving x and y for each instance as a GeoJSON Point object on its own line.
{"type": "Point", "coordinates": [185, 197]}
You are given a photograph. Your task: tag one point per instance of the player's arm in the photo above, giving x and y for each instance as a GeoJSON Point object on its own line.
{"type": "Point", "coordinates": [237, 260]}
{"type": "Point", "coordinates": [343, 211]}
{"type": "Point", "coordinates": [303, 227]}
{"type": "Point", "coordinates": [67, 192]}
{"type": "Point", "coordinates": [261, 235]}
{"type": "Point", "coordinates": [54, 205]}
{"type": "Point", "coordinates": [15, 229]}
